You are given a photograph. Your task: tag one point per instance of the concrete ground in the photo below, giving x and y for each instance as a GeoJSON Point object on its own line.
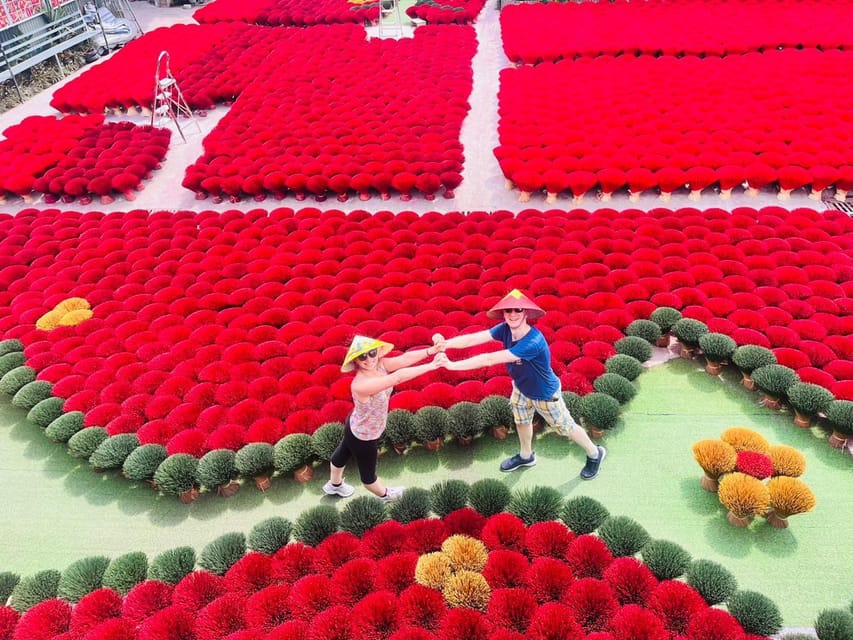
{"type": "Point", "coordinates": [482, 188]}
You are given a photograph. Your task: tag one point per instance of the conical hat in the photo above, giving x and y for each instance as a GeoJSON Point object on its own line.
{"type": "Point", "coordinates": [360, 345]}
{"type": "Point", "coordinates": [515, 299]}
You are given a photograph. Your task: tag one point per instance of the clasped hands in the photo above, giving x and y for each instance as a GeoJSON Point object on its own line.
{"type": "Point", "coordinates": [441, 360]}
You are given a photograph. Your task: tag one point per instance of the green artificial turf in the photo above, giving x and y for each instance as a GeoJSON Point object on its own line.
{"type": "Point", "coordinates": [57, 510]}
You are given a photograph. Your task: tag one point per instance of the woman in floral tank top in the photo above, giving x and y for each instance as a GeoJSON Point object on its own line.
{"type": "Point", "coordinates": [374, 381]}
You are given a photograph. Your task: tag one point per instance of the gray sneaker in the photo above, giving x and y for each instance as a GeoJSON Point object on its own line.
{"type": "Point", "coordinates": [516, 462]}
{"type": "Point", "coordinates": [590, 469]}
{"type": "Point", "coordinates": [343, 490]}
{"type": "Point", "coordinates": [392, 494]}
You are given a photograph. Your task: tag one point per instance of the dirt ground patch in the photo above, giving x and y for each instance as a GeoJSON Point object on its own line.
{"type": "Point", "coordinates": [41, 76]}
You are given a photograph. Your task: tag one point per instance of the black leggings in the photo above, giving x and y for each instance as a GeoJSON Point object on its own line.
{"type": "Point", "coordinates": [364, 451]}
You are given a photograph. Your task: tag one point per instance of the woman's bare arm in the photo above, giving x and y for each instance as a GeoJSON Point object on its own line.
{"type": "Point", "coordinates": [409, 358]}
{"type": "Point", "coordinates": [364, 386]}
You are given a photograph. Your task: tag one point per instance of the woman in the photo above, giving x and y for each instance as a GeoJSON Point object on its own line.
{"type": "Point", "coordinates": [374, 381]}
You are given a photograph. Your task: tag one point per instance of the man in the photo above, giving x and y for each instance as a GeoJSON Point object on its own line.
{"type": "Point", "coordinates": [535, 386]}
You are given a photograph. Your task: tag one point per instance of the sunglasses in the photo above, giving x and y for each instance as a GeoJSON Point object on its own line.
{"type": "Point", "coordinates": [370, 354]}
{"type": "Point", "coordinates": [508, 311]}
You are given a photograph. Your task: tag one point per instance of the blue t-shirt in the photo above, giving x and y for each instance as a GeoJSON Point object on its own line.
{"type": "Point", "coordinates": [532, 373]}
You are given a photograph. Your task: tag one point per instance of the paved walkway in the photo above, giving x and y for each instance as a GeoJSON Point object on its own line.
{"type": "Point", "coordinates": [483, 186]}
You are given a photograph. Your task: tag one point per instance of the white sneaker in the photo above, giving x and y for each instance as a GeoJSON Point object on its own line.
{"type": "Point", "coordinates": [392, 494]}
{"type": "Point", "coordinates": [343, 490]}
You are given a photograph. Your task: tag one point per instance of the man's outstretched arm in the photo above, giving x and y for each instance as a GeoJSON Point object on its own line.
{"type": "Point", "coordinates": [482, 360]}
{"type": "Point", "coordinates": [462, 341]}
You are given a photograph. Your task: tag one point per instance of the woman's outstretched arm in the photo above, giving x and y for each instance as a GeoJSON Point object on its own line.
{"type": "Point", "coordinates": [364, 386]}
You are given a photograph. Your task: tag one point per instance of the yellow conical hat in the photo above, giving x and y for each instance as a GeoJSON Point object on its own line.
{"type": "Point", "coordinates": [360, 345]}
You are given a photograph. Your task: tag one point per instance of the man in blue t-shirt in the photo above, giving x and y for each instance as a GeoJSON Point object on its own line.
{"type": "Point", "coordinates": [535, 386]}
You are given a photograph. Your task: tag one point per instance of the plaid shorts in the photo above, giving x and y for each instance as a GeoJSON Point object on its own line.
{"type": "Point", "coordinates": [555, 411]}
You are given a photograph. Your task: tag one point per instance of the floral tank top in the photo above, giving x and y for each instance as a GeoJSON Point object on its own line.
{"type": "Point", "coordinates": [367, 421]}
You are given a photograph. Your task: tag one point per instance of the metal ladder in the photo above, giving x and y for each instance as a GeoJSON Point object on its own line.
{"type": "Point", "coordinates": [396, 28]}
{"type": "Point", "coordinates": [169, 103]}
